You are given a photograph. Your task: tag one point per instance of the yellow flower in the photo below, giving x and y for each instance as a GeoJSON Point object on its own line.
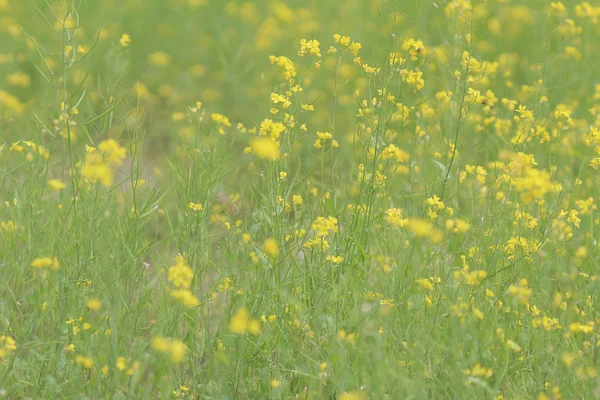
{"type": "Point", "coordinates": [394, 216]}
{"type": "Point", "coordinates": [46, 262]}
{"type": "Point", "coordinates": [7, 345]}
{"type": "Point", "coordinates": [113, 153]}
{"type": "Point", "coordinates": [577, 327]}
{"type": "Point", "coordinates": [195, 206]}
{"type": "Point", "coordinates": [220, 119]}
{"type": "Point", "coordinates": [127, 366]}
{"type": "Point", "coordinates": [241, 323]}
{"type": "Point", "coordinates": [186, 297]}
{"type": "Point", "coordinates": [85, 362]}
{"type": "Point", "coordinates": [354, 395]}
{"type": "Point", "coordinates": [422, 228]}
{"type": "Point", "coordinates": [94, 304]}
{"type": "Point", "coordinates": [56, 185]}
{"type": "Point", "coordinates": [265, 148]}
{"type": "Point", "coordinates": [280, 99]}
{"type": "Point", "coordinates": [121, 363]}
{"type": "Point", "coordinates": [425, 283]}
{"type": "Point", "coordinates": [310, 47]}
{"type": "Point", "coordinates": [479, 371]}
{"type": "Point", "coordinates": [354, 48]}
{"type": "Point", "coordinates": [274, 383]}
{"type": "Point", "coordinates": [271, 247]}
{"type": "Point", "coordinates": [174, 348]}
{"type": "Point", "coordinates": [322, 226]}
{"type": "Point", "coordinates": [125, 40]}
{"type": "Point", "coordinates": [335, 259]}
{"type": "Point", "coordinates": [180, 274]}
{"type": "Point", "coordinates": [457, 225]}
{"type": "Point", "coordinates": [159, 59]}
{"type": "Point", "coordinates": [96, 170]}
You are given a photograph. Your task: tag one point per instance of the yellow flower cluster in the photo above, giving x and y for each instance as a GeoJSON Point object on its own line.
{"type": "Point", "coordinates": [100, 163]}
{"type": "Point", "coordinates": [46, 262]}
{"type": "Point", "coordinates": [181, 276]}
{"type": "Point", "coordinates": [173, 348]}
{"type": "Point", "coordinates": [241, 323]}
{"type": "Point", "coordinates": [7, 346]}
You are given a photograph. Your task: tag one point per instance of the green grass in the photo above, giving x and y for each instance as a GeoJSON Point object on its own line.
{"type": "Point", "coordinates": [429, 230]}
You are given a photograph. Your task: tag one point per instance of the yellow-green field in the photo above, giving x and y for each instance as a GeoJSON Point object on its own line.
{"type": "Point", "coordinates": [299, 199]}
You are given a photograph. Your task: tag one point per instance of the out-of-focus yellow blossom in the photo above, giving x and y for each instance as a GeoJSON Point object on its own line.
{"type": "Point", "coordinates": [173, 348]}
{"type": "Point", "coordinates": [241, 323]}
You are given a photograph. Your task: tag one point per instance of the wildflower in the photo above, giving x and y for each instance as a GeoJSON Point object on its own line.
{"type": "Point", "coordinates": [322, 226]}
{"type": "Point", "coordinates": [414, 47]}
{"type": "Point", "coordinates": [421, 228]}
{"type": "Point", "coordinates": [95, 169]}
{"type": "Point", "coordinates": [265, 148]}
{"type": "Point", "coordinates": [354, 48]}
{"type": "Point", "coordinates": [394, 59]}
{"type": "Point", "coordinates": [335, 259]}
{"type": "Point", "coordinates": [274, 383]}
{"type": "Point", "coordinates": [280, 99]}
{"type": "Point", "coordinates": [285, 64]}
{"type": "Point", "coordinates": [85, 362]}
{"type": "Point", "coordinates": [473, 278]}
{"type": "Point", "coordinates": [56, 185]}
{"type": "Point", "coordinates": [425, 283]}
{"type": "Point", "coordinates": [185, 297]}
{"type": "Point", "coordinates": [19, 79]}
{"type": "Point", "coordinates": [241, 323]}
{"type": "Point", "coordinates": [195, 206]}
{"type": "Point", "coordinates": [46, 262]}
{"type": "Point", "coordinates": [125, 40]}
{"type": "Point", "coordinates": [271, 247]}
{"type": "Point", "coordinates": [457, 225]}
{"type": "Point", "coordinates": [414, 78]}
{"type": "Point", "coordinates": [394, 216]}
{"type": "Point", "coordinates": [309, 47]}
{"type": "Point", "coordinates": [7, 346]}
{"type": "Point", "coordinates": [180, 274]}
{"type": "Point", "coordinates": [567, 359]}
{"type": "Point", "coordinates": [434, 204]}
{"type": "Point", "coordinates": [8, 226]}
{"type": "Point", "coordinates": [297, 199]}
{"type": "Point", "coordinates": [577, 327]}
{"type": "Point", "coordinates": [160, 59]}
{"type": "Point", "coordinates": [522, 291]}
{"type": "Point", "coordinates": [370, 70]}
{"type": "Point", "coordinates": [127, 365]}
{"type": "Point", "coordinates": [513, 346]}
{"type": "Point", "coordinates": [220, 119]}
{"type": "Point", "coordinates": [173, 348]}
{"type": "Point", "coordinates": [479, 371]}
{"type": "Point", "coordinates": [94, 304]}
{"type": "Point", "coordinates": [345, 336]}
{"type": "Point", "coordinates": [353, 395]}
{"type": "Point", "coordinates": [393, 152]}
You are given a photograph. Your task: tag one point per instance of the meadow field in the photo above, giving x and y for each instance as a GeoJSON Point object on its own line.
{"type": "Point", "coordinates": [299, 199]}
